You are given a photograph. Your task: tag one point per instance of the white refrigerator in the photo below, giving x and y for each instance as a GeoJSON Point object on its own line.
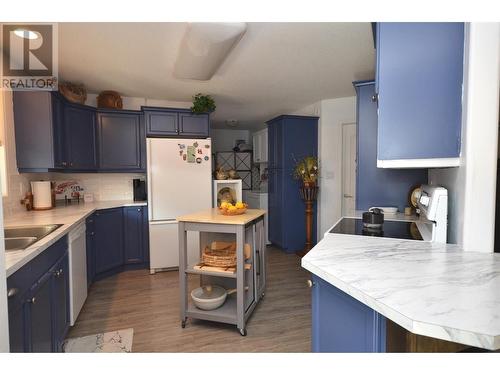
{"type": "Point", "coordinates": [179, 182]}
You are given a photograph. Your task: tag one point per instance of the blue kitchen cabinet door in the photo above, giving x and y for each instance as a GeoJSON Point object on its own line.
{"type": "Point", "coordinates": [290, 138]}
{"type": "Point", "coordinates": [18, 340]}
{"type": "Point", "coordinates": [377, 186]}
{"type": "Point", "coordinates": [161, 123]}
{"type": "Point", "coordinates": [39, 136]}
{"type": "Point", "coordinates": [60, 305]}
{"type": "Point", "coordinates": [108, 235]}
{"type": "Point", "coordinates": [121, 141]}
{"type": "Point", "coordinates": [275, 197]}
{"type": "Point", "coordinates": [341, 324]}
{"type": "Point", "coordinates": [135, 235]}
{"type": "Point", "coordinates": [419, 86]}
{"type": "Point", "coordinates": [194, 125]}
{"type": "Point", "coordinates": [40, 316]}
{"type": "Point", "coordinates": [80, 129]}
{"type": "Point", "coordinates": [90, 244]}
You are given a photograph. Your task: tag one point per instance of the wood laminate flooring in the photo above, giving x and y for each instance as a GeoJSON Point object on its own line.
{"type": "Point", "coordinates": [149, 304]}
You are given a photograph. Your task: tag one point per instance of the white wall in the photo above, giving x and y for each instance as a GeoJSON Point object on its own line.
{"type": "Point", "coordinates": [472, 186]}
{"type": "Point", "coordinates": [333, 113]}
{"type": "Point", "coordinates": [224, 139]}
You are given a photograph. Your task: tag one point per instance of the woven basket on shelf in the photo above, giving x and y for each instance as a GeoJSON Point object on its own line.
{"type": "Point", "coordinates": [219, 257]}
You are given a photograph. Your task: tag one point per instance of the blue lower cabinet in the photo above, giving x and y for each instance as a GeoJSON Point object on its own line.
{"type": "Point", "coordinates": [117, 240]}
{"type": "Point", "coordinates": [40, 315]}
{"type": "Point", "coordinates": [38, 297]}
{"type": "Point", "coordinates": [60, 284]}
{"type": "Point", "coordinates": [136, 235]}
{"type": "Point", "coordinates": [90, 244]}
{"type": "Point", "coordinates": [109, 252]}
{"type": "Point", "coordinates": [342, 324]}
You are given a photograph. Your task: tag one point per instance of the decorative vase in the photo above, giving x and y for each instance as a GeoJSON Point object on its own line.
{"type": "Point", "coordinates": [308, 193]}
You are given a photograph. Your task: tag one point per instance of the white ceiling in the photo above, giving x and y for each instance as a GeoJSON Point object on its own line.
{"type": "Point", "coordinates": [276, 67]}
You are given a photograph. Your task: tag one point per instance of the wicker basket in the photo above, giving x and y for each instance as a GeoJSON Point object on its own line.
{"type": "Point", "coordinates": [219, 257]}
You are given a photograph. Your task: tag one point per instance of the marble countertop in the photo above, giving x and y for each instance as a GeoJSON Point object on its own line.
{"type": "Point", "coordinates": [212, 216]}
{"type": "Point", "coordinates": [70, 216]}
{"type": "Point", "coordinates": [431, 289]}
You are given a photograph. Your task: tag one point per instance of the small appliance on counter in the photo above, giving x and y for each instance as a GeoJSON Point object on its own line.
{"type": "Point", "coordinates": [42, 195]}
{"type": "Point", "coordinates": [140, 193]}
{"type": "Point", "coordinates": [432, 203]}
{"type": "Point", "coordinates": [373, 218]}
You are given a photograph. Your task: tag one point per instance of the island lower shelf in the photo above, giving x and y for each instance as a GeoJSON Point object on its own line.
{"type": "Point", "coordinates": [227, 313]}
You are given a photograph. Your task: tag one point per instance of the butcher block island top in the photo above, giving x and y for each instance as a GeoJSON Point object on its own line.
{"type": "Point", "coordinates": [213, 216]}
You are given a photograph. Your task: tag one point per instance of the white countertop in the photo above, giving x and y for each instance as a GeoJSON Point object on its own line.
{"type": "Point", "coordinates": [430, 289]}
{"type": "Point", "coordinates": [70, 216]}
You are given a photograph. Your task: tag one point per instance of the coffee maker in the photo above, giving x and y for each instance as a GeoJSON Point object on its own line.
{"type": "Point", "coordinates": [140, 193]}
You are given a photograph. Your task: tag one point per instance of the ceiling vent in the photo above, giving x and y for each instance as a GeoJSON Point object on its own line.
{"type": "Point", "coordinates": [232, 123]}
{"type": "Point", "coordinates": [204, 48]}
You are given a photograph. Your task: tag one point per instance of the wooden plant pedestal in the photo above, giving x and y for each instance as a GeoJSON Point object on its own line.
{"type": "Point", "coordinates": [309, 194]}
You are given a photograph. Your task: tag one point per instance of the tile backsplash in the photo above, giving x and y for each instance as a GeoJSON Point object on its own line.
{"type": "Point", "coordinates": [104, 186]}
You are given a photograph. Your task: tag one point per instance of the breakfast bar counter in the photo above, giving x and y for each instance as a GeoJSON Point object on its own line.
{"type": "Point", "coordinates": [440, 291]}
{"type": "Point", "coordinates": [248, 279]}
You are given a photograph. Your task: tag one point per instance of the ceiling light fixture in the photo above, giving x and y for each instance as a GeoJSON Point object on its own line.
{"type": "Point", "coordinates": [204, 48]}
{"type": "Point", "coordinates": [26, 34]}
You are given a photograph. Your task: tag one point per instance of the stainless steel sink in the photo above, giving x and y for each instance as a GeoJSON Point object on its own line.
{"type": "Point", "coordinates": [18, 243]}
{"type": "Point", "coordinates": [19, 238]}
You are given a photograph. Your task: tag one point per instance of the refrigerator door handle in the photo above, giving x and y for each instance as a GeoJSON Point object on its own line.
{"type": "Point", "coordinates": [160, 222]}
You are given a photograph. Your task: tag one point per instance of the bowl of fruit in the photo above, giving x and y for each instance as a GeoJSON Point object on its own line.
{"type": "Point", "coordinates": [227, 208]}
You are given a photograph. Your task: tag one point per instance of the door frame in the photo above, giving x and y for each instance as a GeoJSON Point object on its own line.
{"type": "Point", "coordinates": [343, 164]}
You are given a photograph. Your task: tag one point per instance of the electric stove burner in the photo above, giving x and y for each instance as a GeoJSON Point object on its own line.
{"type": "Point", "coordinates": [405, 230]}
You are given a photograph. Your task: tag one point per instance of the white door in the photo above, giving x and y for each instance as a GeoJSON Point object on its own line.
{"type": "Point", "coordinates": [179, 177]}
{"type": "Point", "coordinates": [348, 168]}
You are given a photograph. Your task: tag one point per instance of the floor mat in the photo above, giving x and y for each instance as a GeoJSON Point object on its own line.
{"type": "Point", "coordinates": [108, 342]}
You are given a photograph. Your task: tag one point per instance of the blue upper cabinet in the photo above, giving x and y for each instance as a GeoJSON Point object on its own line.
{"type": "Point", "coordinates": [191, 124]}
{"type": "Point", "coordinates": [121, 141]}
{"type": "Point", "coordinates": [419, 77]}
{"type": "Point", "coordinates": [38, 118]}
{"type": "Point", "coordinates": [377, 186]}
{"type": "Point", "coordinates": [171, 122]}
{"type": "Point", "coordinates": [80, 128]}
{"type": "Point", "coordinates": [161, 123]}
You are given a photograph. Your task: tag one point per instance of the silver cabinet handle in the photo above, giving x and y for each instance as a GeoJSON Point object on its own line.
{"type": "Point", "coordinates": [139, 210]}
{"type": "Point", "coordinates": [310, 283]}
{"type": "Point", "coordinates": [347, 196]}
{"type": "Point", "coordinates": [375, 98]}
{"type": "Point", "coordinates": [12, 292]}
{"type": "Point", "coordinates": [32, 300]}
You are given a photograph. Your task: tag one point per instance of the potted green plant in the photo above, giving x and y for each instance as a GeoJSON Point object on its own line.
{"type": "Point", "coordinates": [203, 103]}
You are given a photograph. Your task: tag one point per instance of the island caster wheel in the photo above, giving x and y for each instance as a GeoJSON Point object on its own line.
{"type": "Point", "coordinates": [243, 332]}
{"type": "Point", "coordinates": [183, 323]}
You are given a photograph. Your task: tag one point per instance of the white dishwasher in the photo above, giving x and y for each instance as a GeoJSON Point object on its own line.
{"type": "Point", "coordinates": [77, 271]}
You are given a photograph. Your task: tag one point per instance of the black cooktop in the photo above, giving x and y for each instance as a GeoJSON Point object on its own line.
{"type": "Point", "coordinates": [392, 229]}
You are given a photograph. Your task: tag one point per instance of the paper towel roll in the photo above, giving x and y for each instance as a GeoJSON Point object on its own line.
{"type": "Point", "coordinates": [42, 195]}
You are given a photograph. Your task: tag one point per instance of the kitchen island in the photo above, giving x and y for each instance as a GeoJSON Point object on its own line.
{"type": "Point", "coordinates": [249, 276]}
{"type": "Point", "coordinates": [361, 284]}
